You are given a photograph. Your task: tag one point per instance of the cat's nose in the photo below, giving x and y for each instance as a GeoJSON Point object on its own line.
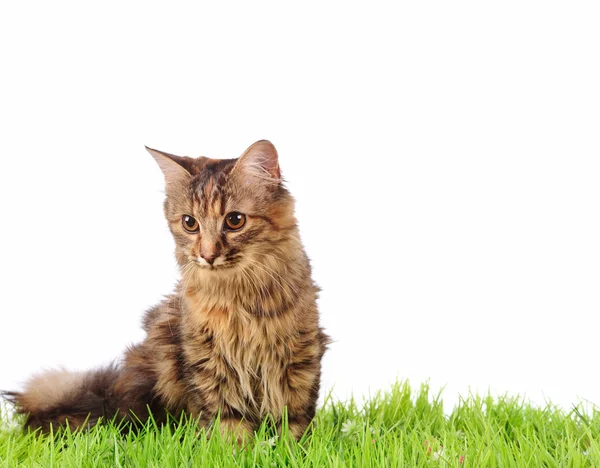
{"type": "Point", "coordinates": [209, 259]}
{"type": "Point", "coordinates": [209, 250]}
{"type": "Point", "coordinates": [209, 256]}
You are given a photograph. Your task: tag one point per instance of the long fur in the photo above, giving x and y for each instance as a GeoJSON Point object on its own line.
{"type": "Point", "coordinates": [240, 338]}
{"type": "Point", "coordinates": [54, 397]}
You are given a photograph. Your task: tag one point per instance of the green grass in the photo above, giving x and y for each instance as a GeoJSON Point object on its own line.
{"type": "Point", "coordinates": [400, 427]}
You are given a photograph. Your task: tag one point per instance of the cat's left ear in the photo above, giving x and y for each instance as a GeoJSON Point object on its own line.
{"type": "Point", "coordinates": [171, 166]}
{"type": "Point", "coordinates": [260, 160]}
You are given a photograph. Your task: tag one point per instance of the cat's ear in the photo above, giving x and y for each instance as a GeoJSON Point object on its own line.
{"type": "Point", "coordinates": [260, 160]}
{"type": "Point", "coordinates": [171, 167]}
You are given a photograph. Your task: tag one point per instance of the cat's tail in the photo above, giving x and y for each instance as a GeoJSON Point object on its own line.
{"type": "Point", "coordinates": [56, 399]}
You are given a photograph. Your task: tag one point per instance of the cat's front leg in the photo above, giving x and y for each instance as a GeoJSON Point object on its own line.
{"type": "Point", "coordinates": [231, 426]}
{"type": "Point", "coordinates": [302, 379]}
{"type": "Point", "coordinates": [208, 402]}
{"type": "Point", "coordinates": [239, 430]}
{"type": "Point", "coordinates": [301, 411]}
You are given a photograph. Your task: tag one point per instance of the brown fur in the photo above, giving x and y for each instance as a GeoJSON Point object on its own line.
{"type": "Point", "coordinates": [240, 338]}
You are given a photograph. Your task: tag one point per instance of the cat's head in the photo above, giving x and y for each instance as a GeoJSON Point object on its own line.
{"type": "Point", "coordinates": [225, 213]}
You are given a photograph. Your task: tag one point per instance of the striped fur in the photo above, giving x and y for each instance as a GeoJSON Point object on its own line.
{"type": "Point", "coordinates": [240, 338]}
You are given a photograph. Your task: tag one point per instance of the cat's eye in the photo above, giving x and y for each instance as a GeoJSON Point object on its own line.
{"type": "Point", "coordinates": [190, 224]}
{"type": "Point", "coordinates": [234, 221]}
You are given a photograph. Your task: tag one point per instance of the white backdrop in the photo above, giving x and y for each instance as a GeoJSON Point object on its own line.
{"type": "Point", "coordinates": [445, 157]}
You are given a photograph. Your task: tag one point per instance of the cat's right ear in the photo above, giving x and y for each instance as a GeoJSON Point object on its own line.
{"type": "Point", "coordinates": [170, 165]}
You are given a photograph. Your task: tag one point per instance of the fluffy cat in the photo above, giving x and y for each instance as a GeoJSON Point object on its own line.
{"type": "Point", "coordinates": [240, 335]}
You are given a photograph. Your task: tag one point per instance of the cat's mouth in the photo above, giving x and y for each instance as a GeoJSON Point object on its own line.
{"type": "Point", "coordinates": [218, 264]}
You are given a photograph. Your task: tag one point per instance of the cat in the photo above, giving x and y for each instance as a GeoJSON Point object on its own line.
{"type": "Point", "coordinates": [240, 336]}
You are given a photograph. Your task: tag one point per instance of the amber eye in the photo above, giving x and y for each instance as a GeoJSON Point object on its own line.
{"type": "Point", "coordinates": [234, 221]}
{"type": "Point", "coordinates": [190, 224]}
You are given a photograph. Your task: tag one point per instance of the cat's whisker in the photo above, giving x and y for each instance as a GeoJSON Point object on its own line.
{"type": "Point", "coordinates": [279, 283]}
{"type": "Point", "coordinates": [247, 281]}
{"type": "Point", "coordinates": [274, 254]}
{"type": "Point", "coordinates": [264, 265]}
{"type": "Point", "coordinates": [265, 286]}
{"type": "Point", "coordinates": [283, 262]}
{"type": "Point", "coordinates": [187, 274]}
{"type": "Point", "coordinates": [244, 277]}
{"type": "Point", "coordinates": [248, 274]}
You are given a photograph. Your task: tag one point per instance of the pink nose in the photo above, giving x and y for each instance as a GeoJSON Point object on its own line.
{"type": "Point", "coordinates": [209, 256]}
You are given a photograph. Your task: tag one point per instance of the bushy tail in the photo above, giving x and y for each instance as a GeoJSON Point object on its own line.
{"type": "Point", "coordinates": [57, 398]}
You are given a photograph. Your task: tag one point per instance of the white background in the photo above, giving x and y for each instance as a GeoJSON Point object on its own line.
{"type": "Point", "coordinates": [445, 158]}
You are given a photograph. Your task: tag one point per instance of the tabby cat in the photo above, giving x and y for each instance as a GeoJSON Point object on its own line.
{"type": "Point", "coordinates": [239, 337]}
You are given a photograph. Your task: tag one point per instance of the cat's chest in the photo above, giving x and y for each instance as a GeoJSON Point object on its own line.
{"type": "Point", "coordinates": [249, 356]}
